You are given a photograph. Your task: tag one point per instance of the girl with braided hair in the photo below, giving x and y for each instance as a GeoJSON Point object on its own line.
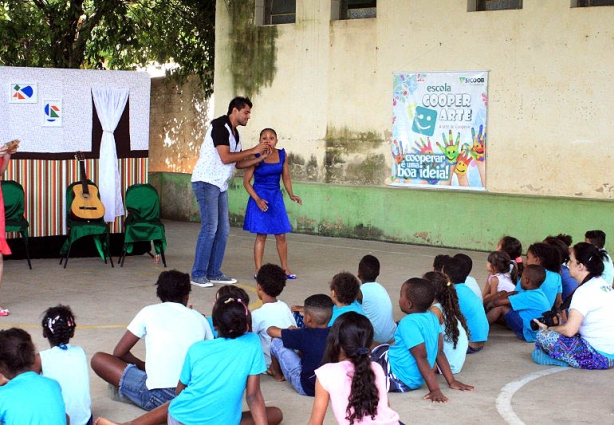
{"type": "Point", "coordinates": [453, 323]}
{"type": "Point", "coordinates": [66, 363]}
{"type": "Point", "coordinates": [355, 386]}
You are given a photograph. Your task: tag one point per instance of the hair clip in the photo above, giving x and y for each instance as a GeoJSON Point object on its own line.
{"type": "Point", "coordinates": [518, 260]}
{"type": "Point", "coordinates": [246, 310]}
{"type": "Point", "coordinates": [449, 283]}
{"type": "Point", "coordinates": [229, 300]}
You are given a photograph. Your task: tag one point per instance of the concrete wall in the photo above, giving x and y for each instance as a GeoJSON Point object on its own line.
{"type": "Point", "coordinates": [326, 86]}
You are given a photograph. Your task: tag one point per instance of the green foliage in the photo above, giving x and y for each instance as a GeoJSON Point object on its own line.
{"type": "Point", "coordinates": [110, 34]}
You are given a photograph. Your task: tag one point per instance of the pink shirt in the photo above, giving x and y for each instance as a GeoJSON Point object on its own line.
{"type": "Point", "coordinates": [336, 378]}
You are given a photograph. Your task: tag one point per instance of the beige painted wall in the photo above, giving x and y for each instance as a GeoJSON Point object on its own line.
{"type": "Point", "coordinates": [551, 97]}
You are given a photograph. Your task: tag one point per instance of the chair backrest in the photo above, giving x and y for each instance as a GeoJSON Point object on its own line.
{"type": "Point", "coordinates": [13, 195]}
{"type": "Point", "coordinates": [142, 202]}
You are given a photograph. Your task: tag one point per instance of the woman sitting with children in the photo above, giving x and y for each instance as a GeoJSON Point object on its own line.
{"type": "Point", "coordinates": [586, 340]}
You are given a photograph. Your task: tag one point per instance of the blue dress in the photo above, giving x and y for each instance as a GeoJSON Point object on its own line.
{"type": "Point", "coordinates": [266, 184]}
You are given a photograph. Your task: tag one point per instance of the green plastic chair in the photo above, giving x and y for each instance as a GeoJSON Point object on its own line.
{"type": "Point", "coordinates": [14, 219]}
{"type": "Point", "coordinates": [143, 221]}
{"type": "Point", "coordinates": [79, 228]}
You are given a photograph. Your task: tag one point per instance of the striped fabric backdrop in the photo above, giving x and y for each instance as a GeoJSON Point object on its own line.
{"type": "Point", "coordinates": [45, 183]}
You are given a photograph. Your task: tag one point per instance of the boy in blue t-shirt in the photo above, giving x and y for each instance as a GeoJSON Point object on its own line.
{"type": "Point", "coordinates": [310, 342]}
{"type": "Point", "coordinates": [344, 289]}
{"type": "Point", "coordinates": [418, 345]}
{"type": "Point", "coordinates": [470, 304]}
{"type": "Point", "coordinates": [519, 310]}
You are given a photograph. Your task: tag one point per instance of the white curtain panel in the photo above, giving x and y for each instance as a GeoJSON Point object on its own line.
{"type": "Point", "coordinates": [110, 104]}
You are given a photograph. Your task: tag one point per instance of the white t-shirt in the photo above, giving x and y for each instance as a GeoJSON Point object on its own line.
{"type": "Point", "coordinates": [69, 368]}
{"type": "Point", "coordinates": [377, 306]}
{"type": "Point", "coordinates": [595, 301]}
{"type": "Point", "coordinates": [169, 329]}
{"type": "Point", "coordinates": [270, 314]}
{"type": "Point", "coordinates": [473, 285]}
{"type": "Point", "coordinates": [608, 268]}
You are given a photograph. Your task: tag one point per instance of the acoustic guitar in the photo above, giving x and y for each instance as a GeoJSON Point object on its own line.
{"type": "Point", "coordinates": [86, 204]}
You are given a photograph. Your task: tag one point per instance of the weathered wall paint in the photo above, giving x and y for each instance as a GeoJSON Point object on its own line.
{"type": "Point", "coordinates": [455, 219]}
{"type": "Point", "coordinates": [549, 113]}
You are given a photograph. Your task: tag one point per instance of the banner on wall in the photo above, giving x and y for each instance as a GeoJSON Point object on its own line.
{"type": "Point", "coordinates": [439, 129]}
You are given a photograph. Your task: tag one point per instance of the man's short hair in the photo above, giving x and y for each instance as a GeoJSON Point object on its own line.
{"type": "Point", "coordinates": [238, 102]}
{"type": "Point", "coordinates": [535, 273]}
{"type": "Point", "coordinates": [420, 292]}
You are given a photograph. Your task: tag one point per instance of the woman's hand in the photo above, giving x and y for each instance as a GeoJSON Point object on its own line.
{"type": "Point", "coordinates": [296, 199]}
{"type": "Point", "coordinates": [262, 204]}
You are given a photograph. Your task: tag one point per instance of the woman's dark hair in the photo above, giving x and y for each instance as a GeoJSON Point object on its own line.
{"type": "Point", "coordinates": [590, 256]}
{"type": "Point", "coordinates": [502, 263]}
{"type": "Point", "coordinates": [445, 294]}
{"type": "Point", "coordinates": [353, 333]}
{"type": "Point", "coordinates": [548, 256]}
{"type": "Point", "coordinates": [512, 247]}
{"type": "Point", "coordinates": [173, 286]}
{"type": "Point", "coordinates": [59, 325]}
{"type": "Point", "coordinates": [16, 351]}
{"type": "Point", "coordinates": [231, 317]}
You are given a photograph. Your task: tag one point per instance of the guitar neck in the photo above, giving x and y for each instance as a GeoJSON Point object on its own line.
{"type": "Point", "coordinates": [83, 176]}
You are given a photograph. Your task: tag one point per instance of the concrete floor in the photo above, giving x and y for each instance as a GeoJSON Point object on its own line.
{"type": "Point", "coordinates": [509, 387]}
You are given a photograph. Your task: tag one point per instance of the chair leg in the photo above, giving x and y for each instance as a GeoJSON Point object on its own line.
{"type": "Point", "coordinates": [108, 250]}
{"type": "Point", "coordinates": [25, 241]}
{"type": "Point", "coordinates": [66, 258]}
{"type": "Point", "coordinates": [122, 256]}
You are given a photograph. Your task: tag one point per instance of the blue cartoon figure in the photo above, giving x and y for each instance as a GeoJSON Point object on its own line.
{"type": "Point", "coordinates": [424, 121]}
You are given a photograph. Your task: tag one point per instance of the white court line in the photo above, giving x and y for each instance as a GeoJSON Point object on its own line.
{"type": "Point", "coordinates": [504, 400]}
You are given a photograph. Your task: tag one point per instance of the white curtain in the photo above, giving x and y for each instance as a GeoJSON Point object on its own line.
{"type": "Point", "coordinates": [110, 104]}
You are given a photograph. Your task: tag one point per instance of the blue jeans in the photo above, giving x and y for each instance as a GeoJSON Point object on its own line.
{"type": "Point", "coordinates": [214, 230]}
{"type": "Point", "coordinates": [132, 386]}
{"type": "Point", "coordinates": [290, 364]}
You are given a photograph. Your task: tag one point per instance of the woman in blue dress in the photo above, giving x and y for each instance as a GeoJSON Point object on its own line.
{"type": "Point", "coordinates": [266, 212]}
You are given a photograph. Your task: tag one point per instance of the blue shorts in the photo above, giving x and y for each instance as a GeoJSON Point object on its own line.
{"type": "Point", "coordinates": [132, 386]}
{"type": "Point", "coordinates": [379, 355]}
{"type": "Point", "coordinates": [514, 321]}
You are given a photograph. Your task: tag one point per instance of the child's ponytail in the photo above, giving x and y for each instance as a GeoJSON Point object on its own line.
{"type": "Point", "coordinates": [363, 397]}
{"type": "Point", "coordinates": [59, 325]}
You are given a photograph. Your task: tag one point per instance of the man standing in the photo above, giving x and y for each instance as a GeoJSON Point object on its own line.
{"type": "Point", "coordinates": [219, 152]}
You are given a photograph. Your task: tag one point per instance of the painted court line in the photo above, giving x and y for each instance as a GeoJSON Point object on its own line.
{"type": "Point", "coordinates": [504, 400]}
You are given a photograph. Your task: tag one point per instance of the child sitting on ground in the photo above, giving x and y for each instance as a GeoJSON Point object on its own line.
{"type": "Point", "coordinates": [232, 291]}
{"type": "Point", "coordinates": [344, 289]}
{"type": "Point", "coordinates": [418, 344]}
{"type": "Point", "coordinates": [520, 309]}
{"type": "Point", "coordinates": [66, 363]}
{"type": "Point", "coordinates": [355, 386]}
{"type": "Point", "coordinates": [309, 342]}
{"type": "Point", "coordinates": [597, 238]}
{"type": "Point", "coordinates": [271, 280]}
{"type": "Point", "coordinates": [25, 396]}
{"type": "Point", "coordinates": [451, 320]}
{"type": "Point", "coordinates": [215, 374]}
{"type": "Point", "coordinates": [500, 277]}
{"type": "Point", "coordinates": [470, 305]}
{"type": "Point", "coordinates": [375, 301]}
{"type": "Point", "coordinates": [546, 255]}
{"type": "Point", "coordinates": [512, 247]}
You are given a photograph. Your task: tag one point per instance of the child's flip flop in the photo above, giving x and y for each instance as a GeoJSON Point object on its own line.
{"type": "Point", "coordinates": [290, 276]}
{"type": "Point", "coordinates": [4, 312]}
